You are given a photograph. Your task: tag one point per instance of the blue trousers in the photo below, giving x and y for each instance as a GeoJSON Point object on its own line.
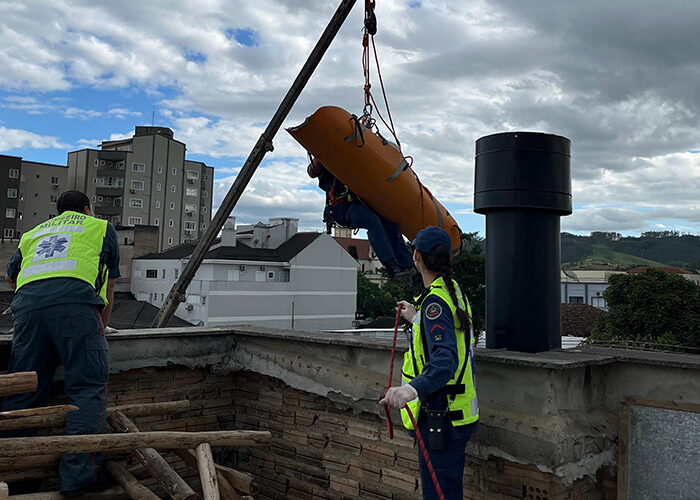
{"type": "Point", "coordinates": [448, 464]}
{"type": "Point", "coordinates": [71, 335]}
{"type": "Point", "coordinates": [384, 236]}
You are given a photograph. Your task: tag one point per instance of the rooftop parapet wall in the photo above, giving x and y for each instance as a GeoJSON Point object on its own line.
{"type": "Point", "coordinates": [556, 410]}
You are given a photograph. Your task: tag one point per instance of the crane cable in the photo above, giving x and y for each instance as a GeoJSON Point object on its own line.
{"type": "Point", "coordinates": [389, 423]}
{"type": "Point", "coordinates": [369, 30]}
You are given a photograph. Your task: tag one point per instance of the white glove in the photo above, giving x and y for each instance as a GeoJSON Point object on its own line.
{"type": "Point", "coordinates": [408, 310]}
{"type": "Point", "coordinates": [399, 396]}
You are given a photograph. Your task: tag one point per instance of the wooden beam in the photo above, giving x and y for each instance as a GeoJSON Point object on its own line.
{"type": "Point", "coordinates": [17, 383]}
{"type": "Point", "coordinates": [151, 409]}
{"type": "Point", "coordinates": [33, 412]}
{"type": "Point", "coordinates": [207, 473]}
{"type": "Point", "coordinates": [176, 487]}
{"type": "Point", "coordinates": [226, 489]}
{"type": "Point", "coordinates": [165, 440]}
{"type": "Point", "coordinates": [131, 485]}
{"type": "Point", "coordinates": [20, 475]}
{"type": "Point", "coordinates": [242, 481]}
{"type": "Point", "coordinates": [116, 493]}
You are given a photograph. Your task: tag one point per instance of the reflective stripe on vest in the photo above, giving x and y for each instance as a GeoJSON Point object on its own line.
{"type": "Point", "coordinates": [67, 246]}
{"type": "Point", "coordinates": [460, 390]}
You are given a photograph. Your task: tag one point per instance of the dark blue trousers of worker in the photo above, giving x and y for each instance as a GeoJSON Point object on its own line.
{"type": "Point", "coordinates": [71, 335]}
{"type": "Point", "coordinates": [384, 236]}
{"type": "Point", "coordinates": [448, 464]}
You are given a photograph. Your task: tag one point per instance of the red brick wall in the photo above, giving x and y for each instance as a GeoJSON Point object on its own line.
{"type": "Point", "coordinates": [319, 451]}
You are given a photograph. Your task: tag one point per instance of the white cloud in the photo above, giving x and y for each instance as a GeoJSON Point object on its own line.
{"type": "Point", "coordinates": [18, 139]}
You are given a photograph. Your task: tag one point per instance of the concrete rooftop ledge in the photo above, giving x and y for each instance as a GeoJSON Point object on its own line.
{"type": "Point", "coordinates": [556, 359]}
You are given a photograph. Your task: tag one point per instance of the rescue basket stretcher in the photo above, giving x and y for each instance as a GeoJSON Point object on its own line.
{"type": "Point", "coordinates": [375, 170]}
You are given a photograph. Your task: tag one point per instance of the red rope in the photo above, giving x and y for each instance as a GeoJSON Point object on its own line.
{"type": "Point", "coordinates": [390, 425]}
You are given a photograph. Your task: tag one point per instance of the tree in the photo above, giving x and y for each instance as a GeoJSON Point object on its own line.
{"type": "Point", "coordinates": [469, 268]}
{"type": "Point", "coordinates": [651, 307]}
{"type": "Point", "coordinates": [372, 301]}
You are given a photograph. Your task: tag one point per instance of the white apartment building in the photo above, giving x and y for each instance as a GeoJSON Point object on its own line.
{"type": "Point", "coordinates": [262, 274]}
{"type": "Point", "coordinates": [146, 180]}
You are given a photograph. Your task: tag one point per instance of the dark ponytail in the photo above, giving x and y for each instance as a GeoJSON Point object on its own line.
{"type": "Point", "coordinates": [439, 262]}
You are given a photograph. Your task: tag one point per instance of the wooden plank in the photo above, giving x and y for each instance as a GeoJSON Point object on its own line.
{"type": "Point", "coordinates": [166, 440]}
{"type": "Point", "coordinates": [207, 473]}
{"type": "Point", "coordinates": [666, 405]}
{"type": "Point", "coordinates": [131, 485]}
{"type": "Point", "coordinates": [17, 383]}
{"type": "Point", "coordinates": [226, 490]}
{"type": "Point", "coordinates": [116, 493]}
{"type": "Point", "coordinates": [241, 481]}
{"type": "Point", "coordinates": [150, 409]}
{"type": "Point", "coordinates": [623, 453]}
{"type": "Point", "coordinates": [32, 412]}
{"type": "Point", "coordinates": [176, 487]}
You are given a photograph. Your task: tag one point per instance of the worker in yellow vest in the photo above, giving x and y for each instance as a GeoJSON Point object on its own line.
{"type": "Point", "coordinates": [438, 369]}
{"type": "Point", "coordinates": [64, 273]}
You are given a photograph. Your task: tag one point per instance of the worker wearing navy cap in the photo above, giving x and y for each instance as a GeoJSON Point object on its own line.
{"type": "Point", "coordinates": [438, 369]}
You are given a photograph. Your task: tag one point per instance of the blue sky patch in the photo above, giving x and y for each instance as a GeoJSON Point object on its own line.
{"type": "Point", "coordinates": [245, 36]}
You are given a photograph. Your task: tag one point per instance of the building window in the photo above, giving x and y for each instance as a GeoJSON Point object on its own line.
{"type": "Point", "coordinates": [192, 174]}
{"type": "Point", "coordinates": [204, 194]}
{"type": "Point", "coordinates": [158, 187]}
{"type": "Point", "coordinates": [117, 202]}
{"type": "Point", "coordinates": [138, 167]}
{"type": "Point", "coordinates": [172, 205]}
{"type": "Point", "coordinates": [19, 216]}
{"type": "Point", "coordinates": [137, 185]}
{"type": "Point", "coordinates": [54, 181]}
{"type": "Point", "coordinates": [13, 173]}
{"type": "Point", "coordinates": [10, 213]}
{"type": "Point", "coordinates": [191, 192]}
{"type": "Point", "coordinates": [575, 300]}
{"type": "Point", "coordinates": [270, 275]}
{"type": "Point", "coordinates": [96, 162]}
{"type": "Point", "coordinates": [157, 203]}
{"type": "Point", "coordinates": [9, 232]}
{"type": "Point", "coordinates": [53, 198]}
{"type": "Point", "coordinates": [94, 198]}
{"type": "Point", "coordinates": [259, 275]}
{"type": "Point", "coordinates": [206, 177]}
{"type": "Point", "coordinates": [136, 203]}
{"type": "Point", "coordinates": [190, 226]}
{"type": "Point", "coordinates": [99, 198]}
{"type": "Point", "coordinates": [162, 276]}
{"type": "Point", "coordinates": [172, 188]}
{"type": "Point", "coordinates": [133, 221]}
{"type": "Point", "coordinates": [234, 275]}
{"type": "Point", "coordinates": [152, 273]}
{"type": "Point", "coordinates": [11, 193]}
{"type": "Point", "coordinates": [174, 171]}
{"type": "Point", "coordinates": [171, 223]}
{"type": "Point", "coordinates": [160, 169]}
{"type": "Point", "coordinates": [156, 221]}
{"type": "Point", "coordinates": [170, 241]}
{"type": "Point", "coordinates": [190, 209]}
{"type": "Point", "coordinates": [120, 165]}
{"type": "Point", "coordinates": [177, 273]}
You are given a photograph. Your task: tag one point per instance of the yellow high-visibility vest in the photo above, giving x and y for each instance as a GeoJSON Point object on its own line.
{"type": "Point", "coordinates": [460, 391]}
{"type": "Point", "coordinates": [67, 246]}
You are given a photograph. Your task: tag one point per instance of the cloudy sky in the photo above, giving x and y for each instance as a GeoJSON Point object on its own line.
{"type": "Point", "coordinates": [620, 78]}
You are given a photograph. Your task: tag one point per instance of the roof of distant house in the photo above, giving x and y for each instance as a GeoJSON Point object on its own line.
{"type": "Point", "coordinates": [361, 245]}
{"type": "Point", "coordinates": [129, 313]}
{"type": "Point", "coordinates": [579, 319]}
{"type": "Point", "coordinates": [283, 253]}
{"type": "Point", "coordinates": [669, 270]}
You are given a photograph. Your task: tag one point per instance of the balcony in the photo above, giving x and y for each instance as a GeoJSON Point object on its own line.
{"type": "Point", "coordinates": [107, 210]}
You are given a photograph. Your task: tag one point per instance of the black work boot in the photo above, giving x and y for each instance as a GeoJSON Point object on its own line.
{"type": "Point", "coordinates": [395, 272]}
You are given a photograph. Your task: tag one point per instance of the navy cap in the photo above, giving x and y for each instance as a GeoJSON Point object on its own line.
{"type": "Point", "coordinates": [427, 239]}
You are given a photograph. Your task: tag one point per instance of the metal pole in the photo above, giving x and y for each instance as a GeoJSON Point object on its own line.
{"type": "Point", "coordinates": [263, 145]}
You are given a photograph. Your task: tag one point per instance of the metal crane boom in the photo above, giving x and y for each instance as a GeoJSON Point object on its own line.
{"type": "Point", "coordinates": [262, 146]}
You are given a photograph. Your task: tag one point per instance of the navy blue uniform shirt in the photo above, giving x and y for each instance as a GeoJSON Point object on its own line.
{"type": "Point", "coordinates": [443, 359]}
{"type": "Point", "coordinates": [51, 291]}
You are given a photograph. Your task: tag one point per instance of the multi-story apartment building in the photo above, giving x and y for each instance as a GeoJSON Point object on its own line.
{"type": "Point", "coordinates": [29, 191]}
{"type": "Point", "coordinates": [146, 180]}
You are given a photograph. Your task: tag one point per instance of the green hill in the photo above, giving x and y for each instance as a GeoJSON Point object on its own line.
{"type": "Point", "coordinates": [603, 257]}
{"type": "Point", "coordinates": [612, 251]}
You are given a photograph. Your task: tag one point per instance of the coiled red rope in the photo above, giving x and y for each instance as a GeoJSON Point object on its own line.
{"type": "Point", "coordinates": [390, 425]}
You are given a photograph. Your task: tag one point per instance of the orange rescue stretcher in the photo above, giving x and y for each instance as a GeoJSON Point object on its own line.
{"type": "Point", "coordinates": [375, 170]}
